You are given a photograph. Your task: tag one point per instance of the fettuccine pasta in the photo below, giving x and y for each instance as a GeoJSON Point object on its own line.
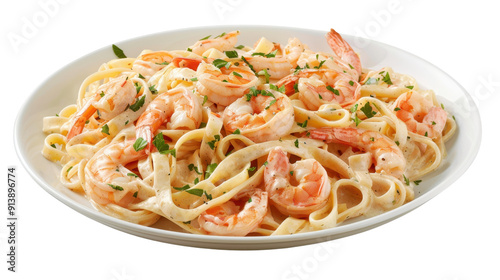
{"type": "Point", "coordinates": [227, 139]}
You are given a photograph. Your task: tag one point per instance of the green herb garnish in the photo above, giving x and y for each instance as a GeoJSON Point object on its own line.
{"type": "Point", "coordinates": [118, 52]}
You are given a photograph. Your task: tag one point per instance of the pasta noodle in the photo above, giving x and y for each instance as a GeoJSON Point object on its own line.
{"type": "Point", "coordinates": [227, 139]}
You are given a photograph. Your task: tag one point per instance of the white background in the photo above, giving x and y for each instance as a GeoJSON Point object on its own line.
{"type": "Point", "coordinates": [454, 236]}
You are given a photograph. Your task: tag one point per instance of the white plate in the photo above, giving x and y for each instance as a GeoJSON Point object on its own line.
{"type": "Point", "coordinates": [61, 89]}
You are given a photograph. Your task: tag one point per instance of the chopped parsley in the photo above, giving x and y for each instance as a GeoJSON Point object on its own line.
{"type": "Point", "coordinates": [197, 192]}
{"type": "Point", "coordinates": [137, 87]}
{"type": "Point", "coordinates": [330, 88]}
{"type": "Point", "coordinates": [264, 73]}
{"type": "Point", "coordinates": [254, 92]}
{"type": "Point", "coordinates": [407, 181]}
{"type": "Point", "coordinates": [268, 55]}
{"type": "Point", "coordinates": [387, 78]}
{"type": "Point", "coordinates": [222, 34]}
{"type": "Point", "coordinates": [231, 54]}
{"type": "Point", "coordinates": [356, 120]}
{"type": "Point", "coordinates": [185, 187]}
{"type": "Point", "coordinates": [208, 196]}
{"type": "Point", "coordinates": [248, 63]}
{"type": "Point", "coordinates": [320, 64]}
{"type": "Point", "coordinates": [368, 111]}
{"type": "Point", "coordinates": [162, 147]}
{"type": "Point", "coordinates": [140, 144]}
{"type": "Point", "coordinates": [276, 88]}
{"type": "Point", "coordinates": [118, 52]}
{"type": "Point", "coordinates": [115, 187]}
{"type": "Point", "coordinates": [192, 167]}
{"type": "Point", "coordinates": [153, 89]}
{"type": "Point", "coordinates": [219, 63]}
{"type": "Point", "coordinates": [105, 129]}
{"type": "Point", "coordinates": [304, 124]}
{"type": "Point", "coordinates": [354, 108]}
{"type": "Point", "coordinates": [210, 169]}
{"type": "Point", "coordinates": [271, 104]}
{"type": "Point", "coordinates": [138, 104]}
{"type": "Point", "coordinates": [212, 143]}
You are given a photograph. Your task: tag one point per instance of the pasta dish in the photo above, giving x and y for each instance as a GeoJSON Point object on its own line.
{"type": "Point", "coordinates": [235, 140]}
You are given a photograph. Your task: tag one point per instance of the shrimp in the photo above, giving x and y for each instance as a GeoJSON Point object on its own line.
{"type": "Point", "coordinates": [107, 180]}
{"type": "Point", "coordinates": [293, 50]}
{"type": "Point", "coordinates": [296, 189]}
{"type": "Point", "coordinates": [224, 85]}
{"type": "Point", "coordinates": [344, 51]}
{"type": "Point", "coordinates": [322, 86]}
{"type": "Point", "coordinates": [148, 62]}
{"type": "Point", "coordinates": [262, 115]}
{"type": "Point", "coordinates": [277, 66]}
{"type": "Point", "coordinates": [420, 115]}
{"type": "Point", "coordinates": [109, 99]}
{"type": "Point", "coordinates": [388, 157]}
{"type": "Point", "coordinates": [223, 42]}
{"type": "Point", "coordinates": [237, 217]}
{"type": "Point", "coordinates": [179, 106]}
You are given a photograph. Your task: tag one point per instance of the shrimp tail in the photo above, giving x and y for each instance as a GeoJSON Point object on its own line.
{"type": "Point", "coordinates": [184, 62]}
{"type": "Point", "coordinates": [81, 117]}
{"type": "Point", "coordinates": [289, 82]}
{"type": "Point", "coordinates": [343, 50]}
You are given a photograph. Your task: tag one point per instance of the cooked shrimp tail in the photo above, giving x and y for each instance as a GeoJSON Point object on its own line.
{"type": "Point", "coordinates": [111, 99]}
{"type": "Point", "coordinates": [343, 50]}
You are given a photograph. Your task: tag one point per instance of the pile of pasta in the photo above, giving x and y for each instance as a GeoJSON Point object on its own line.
{"type": "Point", "coordinates": [252, 140]}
